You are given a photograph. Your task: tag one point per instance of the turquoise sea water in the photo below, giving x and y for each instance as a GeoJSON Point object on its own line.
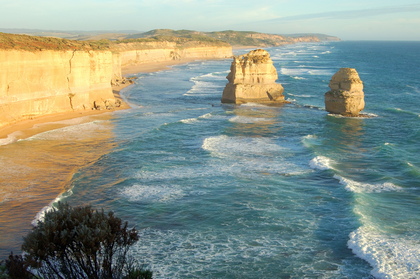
{"type": "Point", "coordinates": [252, 191]}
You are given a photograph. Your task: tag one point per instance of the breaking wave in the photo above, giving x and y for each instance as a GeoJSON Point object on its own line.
{"type": "Point", "coordinates": [391, 256]}
{"type": "Point", "coordinates": [361, 187]}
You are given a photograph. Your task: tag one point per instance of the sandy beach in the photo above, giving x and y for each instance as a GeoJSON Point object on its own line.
{"type": "Point", "coordinates": [34, 174]}
{"type": "Point", "coordinates": [27, 128]}
{"type": "Point", "coordinates": [156, 66]}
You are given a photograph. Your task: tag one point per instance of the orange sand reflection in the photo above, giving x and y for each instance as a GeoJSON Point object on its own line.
{"type": "Point", "coordinates": [33, 172]}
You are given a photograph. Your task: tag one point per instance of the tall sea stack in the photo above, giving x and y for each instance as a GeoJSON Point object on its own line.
{"type": "Point", "coordinates": [252, 79]}
{"type": "Point", "coordinates": [346, 96]}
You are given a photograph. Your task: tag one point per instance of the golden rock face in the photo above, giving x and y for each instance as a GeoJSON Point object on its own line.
{"type": "Point", "coordinates": [48, 81]}
{"type": "Point", "coordinates": [346, 96]}
{"type": "Point", "coordinates": [43, 82]}
{"type": "Point", "coordinates": [252, 79]}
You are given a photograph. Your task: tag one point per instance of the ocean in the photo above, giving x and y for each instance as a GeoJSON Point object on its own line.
{"type": "Point", "coordinates": [249, 191]}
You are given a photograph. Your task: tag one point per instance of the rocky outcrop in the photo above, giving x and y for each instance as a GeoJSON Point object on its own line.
{"type": "Point", "coordinates": [34, 83]}
{"type": "Point", "coordinates": [252, 79]}
{"type": "Point", "coordinates": [346, 96]}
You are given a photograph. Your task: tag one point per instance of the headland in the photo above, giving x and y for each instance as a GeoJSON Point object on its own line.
{"type": "Point", "coordinates": [48, 79]}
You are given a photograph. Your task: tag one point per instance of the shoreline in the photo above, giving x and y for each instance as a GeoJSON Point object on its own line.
{"type": "Point", "coordinates": [30, 127]}
{"type": "Point", "coordinates": [26, 128]}
{"type": "Point", "coordinates": [49, 168]}
{"type": "Point", "coordinates": [160, 65]}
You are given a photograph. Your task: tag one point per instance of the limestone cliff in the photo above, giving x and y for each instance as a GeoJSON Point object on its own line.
{"type": "Point", "coordinates": [346, 96]}
{"type": "Point", "coordinates": [148, 52]}
{"type": "Point", "coordinates": [46, 82]}
{"type": "Point", "coordinates": [41, 76]}
{"type": "Point", "coordinates": [252, 79]}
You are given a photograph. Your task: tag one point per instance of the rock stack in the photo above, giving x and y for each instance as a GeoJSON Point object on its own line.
{"type": "Point", "coordinates": [346, 96]}
{"type": "Point", "coordinates": [252, 79]}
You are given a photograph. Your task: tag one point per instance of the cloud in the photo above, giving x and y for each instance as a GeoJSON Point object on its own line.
{"type": "Point", "coordinates": [350, 14]}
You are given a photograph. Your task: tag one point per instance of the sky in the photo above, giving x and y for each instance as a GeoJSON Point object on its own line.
{"type": "Point", "coordinates": [349, 20]}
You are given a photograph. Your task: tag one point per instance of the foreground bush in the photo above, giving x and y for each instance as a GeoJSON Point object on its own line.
{"type": "Point", "coordinates": [81, 242]}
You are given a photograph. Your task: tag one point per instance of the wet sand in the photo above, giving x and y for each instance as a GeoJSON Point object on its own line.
{"type": "Point", "coordinates": [34, 172]}
{"type": "Point", "coordinates": [27, 128]}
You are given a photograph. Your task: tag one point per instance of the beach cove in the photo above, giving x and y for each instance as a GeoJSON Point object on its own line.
{"type": "Point", "coordinates": [285, 191]}
{"type": "Point", "coordinates": [31, 177]}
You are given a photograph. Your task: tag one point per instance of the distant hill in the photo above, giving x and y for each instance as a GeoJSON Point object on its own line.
{"type": "Point", "coordinates": [36, 43]}
{"type": "Point", "coordinates": [240, 38]}
{"type": "Point", "coordinates": [72, 35]}
{"type": "Point", "coordinates": [234, 38]}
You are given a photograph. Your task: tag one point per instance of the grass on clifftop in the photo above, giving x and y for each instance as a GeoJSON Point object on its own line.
{"type": "Point", "coordinates": [35, 43]}
{"type": "Point", "coordinates": [236, 38]}
{"type": "Point", "coordinates": [184, 41]}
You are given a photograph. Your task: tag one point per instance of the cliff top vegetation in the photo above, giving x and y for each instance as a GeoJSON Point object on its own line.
{"type": "Point", "coordinates": [237, 38]}
{"type": "Point", "coordinates": [36, 43]}
{"type": "Point", "coordinates": [153, 38]}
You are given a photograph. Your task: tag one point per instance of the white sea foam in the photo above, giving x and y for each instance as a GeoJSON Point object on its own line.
{"type": "Point", "coordinates": [41, 214]}
{"type": "Point", "coordinates": [204, 87]}
{"type": "Point", "coordinates": [301, 95]}
{"type": "Point", "coordinates": [207, 115]}
{"type": "Point", "coordinates": [296, 72]}
{"type": "Point", "coordinates": [189, 120]}
{"type": "Point", "coordinates": [363, 116]}
{"type": "Point", "coordinates": [245, 119]}
{"type": "Point", "coordinates": [253, 155]}
{"type": "Point", "coordinates": [11, 138]}
{"type": "Point", "coordinates": [225, 146]}
{"type": "Point", "coordinates": [370, 115]}
{"type": "Point", "coordinates": [75, 132]}
{"type": "Point", "coordinates": [174, 252]}
{"type": "Point", "coordinates": [152, 193]}
{"type": "Point", "coordinates": [175, 173]}
{"type": "Point", "coordinates": [214, 76]}
{"type": "Point", "coordinates": [360, 187]}
{"type": "Point", "coordinates": [253, 105]}
{"type": "Point", "coordinates": [321, 163]}
{"type": "Point", "coordinates": [311, 140]}
{"type": "Point", "coordinates": [74, 124]}
{"type": "Point", "coordinates": [391, 256]}
{"type": "Point", "coordinates": [212, 116]}
{"type": "Point", "coordinates": [320, 72]}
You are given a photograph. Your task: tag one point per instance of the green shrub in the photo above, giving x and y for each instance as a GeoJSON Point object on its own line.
{"type": "Point", "coordinates": [80, 242]}
{"type": "Point", "coordinates": [16, 268]}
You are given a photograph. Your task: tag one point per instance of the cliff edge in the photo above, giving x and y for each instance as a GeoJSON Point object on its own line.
{"type": "Point", "coordinates": [41, 75]}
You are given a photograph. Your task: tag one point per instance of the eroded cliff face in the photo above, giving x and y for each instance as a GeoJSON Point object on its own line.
{"type": "Point", "coordinates": [34, 83]}
{"type": "Point", "coordinates": [46, 81]}
{"type": "Point", "coordinates": [143, 53]}
{"type": "Point", "coordinates": [252, 78]}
